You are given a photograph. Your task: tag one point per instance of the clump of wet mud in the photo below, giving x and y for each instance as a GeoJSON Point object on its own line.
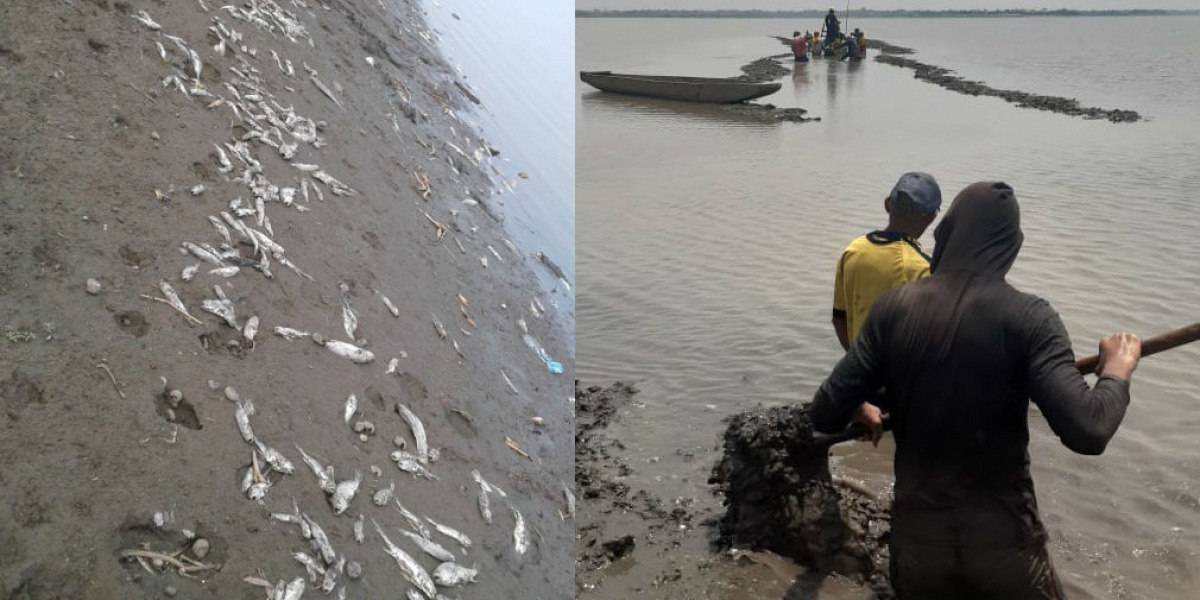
{"type": "Point", "coordinates": [780, 496]}
{"type": "Point", "coordinates": [765, 69]}
{"type": "Point", "coordinates": [944, 78]}
{"type": "Point", "coordinates": [769, 113]}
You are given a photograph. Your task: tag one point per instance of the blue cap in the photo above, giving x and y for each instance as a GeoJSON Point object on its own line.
{"type": "Point", "coordinates": [916, 192]}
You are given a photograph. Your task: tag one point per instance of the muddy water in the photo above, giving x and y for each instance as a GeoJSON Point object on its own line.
{"type": "Point", "coordinates": [709, 243]}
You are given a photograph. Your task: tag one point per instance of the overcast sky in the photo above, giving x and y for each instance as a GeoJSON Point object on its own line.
{"type": "Point", "coordinates": [884, 4]}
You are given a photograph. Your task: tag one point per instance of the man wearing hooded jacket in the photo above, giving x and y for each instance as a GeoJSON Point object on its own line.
{"type": "Point", "coordinates": [961, 353]}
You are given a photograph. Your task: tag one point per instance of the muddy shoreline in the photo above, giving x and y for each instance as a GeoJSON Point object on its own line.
{"type": "Point", "coordinates": [760, 527]}
{"type": "Point", "coordinates": [330, 130]}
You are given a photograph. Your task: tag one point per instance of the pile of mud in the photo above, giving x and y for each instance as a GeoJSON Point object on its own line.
{"type": "Point", "coordinates": [765, 69]}
{"type": "Point", "coordinates": [780, 496]}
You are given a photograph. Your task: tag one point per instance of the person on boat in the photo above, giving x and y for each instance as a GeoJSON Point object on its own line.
{"type": "Point", "coordinates": [961, 353]}
{"type": "Point", "coordinates": [832, 25]}
{"type": "Point", "coordinates": [799, 47]}
{"type": "Point", "coordinates": [881, 260]}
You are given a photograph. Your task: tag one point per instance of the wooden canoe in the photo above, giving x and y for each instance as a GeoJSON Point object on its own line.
{"type": "Point", "coordinates": [687, 89]}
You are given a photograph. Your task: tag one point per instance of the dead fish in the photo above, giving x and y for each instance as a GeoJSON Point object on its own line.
{"type": "Point", "coordinates": [408, 462]}
{"type": "Point", "coordinates": [189, 272]}
{"type": "Point", "coordinates": [384, 495]}
{"type": "Point", "coordinates": [225, 272]}
{"type": "Point", "coordinates": [438, 327]}
{"type": "Point", "coordinates": [349, 319]}
{"type": "Point", "coordinates": [258, 490]}
{"type": "Point", "coordinates": [144, 18]}
{"type": "Point", "coordinates": [414, 521]}
{"type": "Point", "coordinates": [221, 307]}
{"type": "Point", "coordinates": [391, 307]}
{"type": "Point", "coordinates": [324, 478]}
{"type": "Point", "coordinates": [242, 416]}
{"type": "Point", "coordinates": [173, 298]}
{"type": "Point", "coordinates": [283, 260]}
{"type": "Point", "coordinates": [409, 567]}
{"type": "Point", "coordinates": [221, 229]}
{"type": "Point", "coordinates": [520, 533]}
{"type": "Point", "coordinates": [450, 574]}
{"type": "Point", "coordinates": [570, 499]}
{"type": "Point", "coordinates": [198, 189]}
{"type": "Point", "coordinates": [418, 431]}
{"type": "Point", "coordinates": [251, 329]}
{"type": "Point", "coordinates": [485, 509]}
{"type": "Point", "coordinates": [290, 334]}
{"type": "Point", "coordinates": [350, 351]}
{"type": "Point", "coordinates": [488, 487]}
{"type": "Point", "coordinates": [358, 532]}
{"type": "Point", "coordinates": [335, 186]}
{"type": "Point", "coordinates": [204, 255]}
{"type": "Point", "coordinates": [344, 493]}
{"type": "Point", "coordinates": [277, 461]}
{"type": "Point", "coordinates": [351, 408]}
{"type": "Point", "coordinates": [330, 580]}
{"type": "Point", "coordinates": [430, 547]}
{"type": "Point", "coordinates": [453, 534]}
{"type": "Point", "coordinates": [412, 594]}
{"type": "Point", "coordinates": [325, 90]}
{"type": "Point", "coordinates": [293, 591]}
{"type": "Point", "coordinates": [392, 366]}
{"type": "Point", "coordinates": [311, 565]}
{"type": "Point", "coordinates": [320, 541]}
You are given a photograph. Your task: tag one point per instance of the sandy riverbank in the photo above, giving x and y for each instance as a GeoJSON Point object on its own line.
{"type": "Point", "coordinates": [96, 176]}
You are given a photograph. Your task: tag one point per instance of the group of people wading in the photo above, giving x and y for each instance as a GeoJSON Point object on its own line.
{"type": "Point", "coordinates": [835, 43]}
{"type": "Point", "coordinates": [953, 354]}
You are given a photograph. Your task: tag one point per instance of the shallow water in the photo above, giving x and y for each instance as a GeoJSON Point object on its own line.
{"type": "Point", "coordinates": [708, 245]}
{"type": "Point", "coordinates": [518, 58]}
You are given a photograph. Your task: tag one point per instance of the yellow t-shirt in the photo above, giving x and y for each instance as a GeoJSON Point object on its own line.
{"type": "Point", "coordinates": [870, 266]}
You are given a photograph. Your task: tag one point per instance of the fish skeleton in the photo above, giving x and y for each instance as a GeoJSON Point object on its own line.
{"type": "Point", "coordinates": [418, 431]}
{"type": "Point", "coordinates": [350, 351]}
{"type": "Point", "coordinates": [344, 493]}
{"type": "Point", "coordinates": [414, 521]}
{"type": "Point", "coordinates": [408, 462]}
{"type": "Point", "coordinates": [430, 547]}
{"type": "Point", "coordinates": [520, 533]}
{"type": "Point", "coordinates": [383, 496]}
{"type": "Point", "coordinates": [409, 567]}
{"type": "Point", "coordinates": [462, 539]}
{"type": "Point", "coordinates": [450, 574]}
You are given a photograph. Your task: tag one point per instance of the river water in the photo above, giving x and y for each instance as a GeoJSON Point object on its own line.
{"type": "Point", "coordinates": [707, 246]}
{"type": "Point", "coordinates": [518, 57]}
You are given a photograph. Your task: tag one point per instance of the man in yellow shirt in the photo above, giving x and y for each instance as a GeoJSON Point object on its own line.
{"type": "Point", "coordinates": [888, 258]}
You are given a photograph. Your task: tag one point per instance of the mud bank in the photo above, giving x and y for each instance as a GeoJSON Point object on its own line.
{"type": "Point", "coordinates": [311, 157]}
{"type": "Point", "coordinates": [631, 542]}
{"type": "Point", "coordinates": [763, 70]}
{"type": "Point", "coordinates": [945, 78]}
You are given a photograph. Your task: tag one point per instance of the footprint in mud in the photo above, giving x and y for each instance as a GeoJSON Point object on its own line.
{"type": "Point", "coordinates": [412, 389]}
{"type": "Point", "coordinates": [224, 340]}
{"type": "Point", "coordinates": [132, 322]}
{"type": "Point", "coordinates": [137, 257]}
{"type": "Point", "coordinates": [172, 406]}
{"type": "Point", "coordinates": [20, 389]}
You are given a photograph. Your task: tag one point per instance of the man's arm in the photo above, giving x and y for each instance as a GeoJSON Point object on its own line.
{"type": "Point", "coordinates": [858, 375]}
{"type": "Point", "coordinates": [1084, 419]}
{"type": "Point", "coordinates": [839, 327]}
{"type": "Point", "coordinates": [839, 304]}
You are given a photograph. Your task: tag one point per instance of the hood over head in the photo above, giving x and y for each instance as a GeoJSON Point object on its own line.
{"type": "Point", "coordinates": [981, 233]}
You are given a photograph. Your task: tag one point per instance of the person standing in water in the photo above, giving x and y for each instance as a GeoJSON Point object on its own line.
{"type": "Point", "coordinates": [960, 355]}
{"type": "Point", "coordinates": [799, 47]}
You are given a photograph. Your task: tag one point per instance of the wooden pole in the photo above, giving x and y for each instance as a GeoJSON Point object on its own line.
{"type": "Point", "coordinates": [1159, 343]}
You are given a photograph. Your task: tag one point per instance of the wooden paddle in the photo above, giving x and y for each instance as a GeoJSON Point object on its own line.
{"type": "Point", "coordinates": [1159, 343]}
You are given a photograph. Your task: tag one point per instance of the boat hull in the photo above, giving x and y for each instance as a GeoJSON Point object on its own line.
{"type": "Point", "coordinates": [686, 89]}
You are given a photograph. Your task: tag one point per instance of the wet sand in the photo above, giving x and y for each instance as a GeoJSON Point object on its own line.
{"type": "Point", "coordinates": [96, 176]}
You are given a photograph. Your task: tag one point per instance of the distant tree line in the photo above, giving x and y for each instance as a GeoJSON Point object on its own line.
{"type": "Point", "coordinates": [868, 13]}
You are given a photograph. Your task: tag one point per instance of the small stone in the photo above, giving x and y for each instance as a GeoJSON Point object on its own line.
{"type": "Point", "coordinates": [154, 135]}
{"type": "Point", "coordinates": [93, 287]}
{"type": "Point", "coordinates": [200, 548]}
{"type": "Point", "coordinates": [170, 591]}
{"type": "Point", "coordinates": [353, 570]}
